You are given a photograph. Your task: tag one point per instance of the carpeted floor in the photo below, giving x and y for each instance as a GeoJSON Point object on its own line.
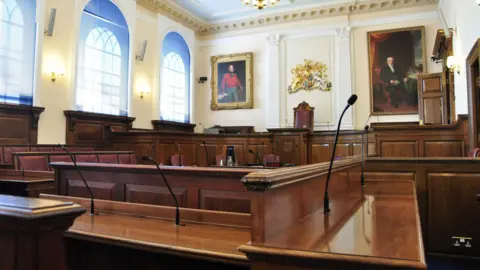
{"type": "Point", "coordinates": [444, 263]}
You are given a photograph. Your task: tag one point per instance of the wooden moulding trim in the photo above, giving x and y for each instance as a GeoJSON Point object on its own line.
{"type": "Point", "coordinates": [175, 134]}
{"type": "Point", "coordinates": [98, 116]}
{"type": "Point", "coordinates": [425, 160]}
{"type": "Point", "coordinates": [398, 126]}
{"type": "Point", "coordinates": [264, 180]}
{"type": "Point", "coordinates": [199, 216]}
{"type": "Point", "coordinates": [23, 109]}
{"type": "Point", "coordinates": [120, 168]}
{"type": "Point", "coordinates": [157, 247]}
{"type": "Point", "coordinates": [172, 124]}
{"type": "Point", "coordinates": [73, 153]}
{"type": "Point", "coordinates": [308, 258]}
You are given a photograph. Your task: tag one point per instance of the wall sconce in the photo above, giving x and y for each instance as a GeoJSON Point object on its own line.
{"type": "Point", "coordinates": [142, 87]}
{"type": "Point", "coordinates": [54, 76]}
{"type": "Point", "coordinates": [452, 64]}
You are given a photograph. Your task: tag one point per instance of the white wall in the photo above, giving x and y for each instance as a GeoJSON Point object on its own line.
{"type": "Point", "coordinates": [58, 53]}
{"type": "Point", "coordinates": [278, 49]}
{"type": "Point", "coordinates": [464, 17]}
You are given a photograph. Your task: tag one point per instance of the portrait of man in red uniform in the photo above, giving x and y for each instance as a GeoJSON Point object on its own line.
{"type": "Point", "coordinates": [231, 82]}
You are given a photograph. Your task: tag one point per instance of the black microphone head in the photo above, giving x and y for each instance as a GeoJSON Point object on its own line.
{"type": "Point", "coordinates": [251, 151]}
{"type": "Point", "coordinates": [366, 127]}
{"type": "Point", "coordinates": [204, 142]}
{"type": "Point", "coordinates": [145, 158]}
{"type": "Point", "coordinates": [352, 99]}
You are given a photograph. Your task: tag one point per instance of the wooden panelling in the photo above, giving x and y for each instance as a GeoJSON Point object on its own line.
{"type": "Point", "coordinates": [432, 99]}
{"type": "Point", "coordinates": [446, 190]}
{"type": "Point", "coordinates": [154, 195]}
{"type": "Point", "coordinates": [228, 201]}
{"type": "Point", "coordinates": [195, 187]}
{"type": "Point", "coordinates": [453, 210]}
{"type": "Point", "coordinates": [413, 140]}
{"type": "Point", "coordinates": [434, 111]}
{"type": "Point", "coordinates": [172, 126]}
{"type": "Point", "coordinates": [444, 148]}
{"type": "Point", "coordinates": [343, 150]}
{"type": "Point", "coordinates": [101, 190]}
{"type": "Point", "coordinates": [19, 124]}
{"type": "Point", "coordinates": [399, 149]}
{"type": "Point", "coordinates": [320, 153]}
{"type": "Point", "coordinates": [85, 128]}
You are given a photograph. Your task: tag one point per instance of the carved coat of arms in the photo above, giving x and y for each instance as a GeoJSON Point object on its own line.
{"type": "Point", "coordinates": [309, 76]}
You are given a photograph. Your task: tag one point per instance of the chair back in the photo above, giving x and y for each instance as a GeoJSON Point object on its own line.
{"type": "Point", "coordinates": [177, 160]}
{"type": "Point", "coordinates": [271, 160]}
{"type": "Point", "coordinates": [475, 153]}
{"type": "Point", "coordinates": [33, 163]}
{"type": "Point", "coordinates": [303, 116]}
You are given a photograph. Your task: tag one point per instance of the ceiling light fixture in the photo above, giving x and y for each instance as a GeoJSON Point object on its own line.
{"type": "Point", "coordinates": [259, 4]}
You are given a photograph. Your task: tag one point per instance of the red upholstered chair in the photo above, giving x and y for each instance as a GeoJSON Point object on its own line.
{"type": "Point", "coordinates": [7, 153]}
{"type": "Point", "coordinates": [108, 158]}
{"type": "Point", "coordinates": [475, 153]}
{"type": "Point", "coordinates": [271, 160]}
{"type": "Point", "coordinates": [59, 149]}
{"type": "Point", "coordinates": [133, 159]}
{"type": "Point", "coordinates": [33, 163]}
{"type": "Point", "coordinates": [86, 158]}
{"type": "Point", "coordinates": [83, 149]}
{"type": "Point", "coordinates": [303, 116]}
{"type": "Point", "coordinates": [219, 158]}
{"type": "Point", "coordinates": [175, 160]}
{"type": "Point", "coordinates": [41, 148]}
{"type": "Point", "coordinates": [125, 159]}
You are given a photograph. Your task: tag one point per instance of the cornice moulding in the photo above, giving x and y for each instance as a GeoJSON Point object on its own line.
{"type": "Point", "coordinates": [323, 11]}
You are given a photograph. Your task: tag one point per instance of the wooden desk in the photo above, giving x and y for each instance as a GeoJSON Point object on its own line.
{"type": "Point", "coordinates": [26, 184]}
{"type": "Point", "coordinates": [136, 236]}
{"type": "Point", "coordinates": [218, 189]}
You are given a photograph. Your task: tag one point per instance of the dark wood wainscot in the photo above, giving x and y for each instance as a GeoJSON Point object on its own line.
{"type": "Point", "coordinates": [85, 128]}
{"type": "Point", "coordinates": [19, 124]}
{"type": "Point", "coordinates": [172, 126]}
{"type": "Point", "coordinates": [397, 140]}
{"type": "Point", "coordinates": [216, 189]}
{"type": "Point", "coordinates": [446, 189]}
{"type": "Point", "coordinates": [25, 183]}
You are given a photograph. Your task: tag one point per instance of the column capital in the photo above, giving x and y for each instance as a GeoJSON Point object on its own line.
{"type": "Point", "coordinates": [273, 39]}
{"type": "Point", "coordinates": [343, 33]}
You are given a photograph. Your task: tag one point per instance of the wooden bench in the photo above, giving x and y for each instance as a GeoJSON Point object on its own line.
{"type": "Point", "coordinates": [40, 161]}
{"type": "Point", "coordinates": [6, 151]}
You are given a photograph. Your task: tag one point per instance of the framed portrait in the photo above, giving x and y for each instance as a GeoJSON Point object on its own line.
{"type": "Point", "coordinates": [232, 81]}
{"type": "Point", "coordinates": [396, 57]}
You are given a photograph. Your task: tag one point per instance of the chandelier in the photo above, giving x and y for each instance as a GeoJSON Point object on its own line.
{"type": "Point", "coordinates": [259, 4]}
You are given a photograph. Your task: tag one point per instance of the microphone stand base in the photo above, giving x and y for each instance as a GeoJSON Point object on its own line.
{"type": "Point", "coordinates": [179, 225]}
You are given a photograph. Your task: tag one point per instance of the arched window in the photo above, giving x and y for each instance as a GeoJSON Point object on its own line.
{"type": "Point", "coordinates": [174, 93]}
{"type": "Point", "coordinates": [102, 65]}
{"type": "Point", "coordinates": [17, 50]}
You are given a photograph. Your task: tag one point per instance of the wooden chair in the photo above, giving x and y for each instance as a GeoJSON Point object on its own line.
{"type": "Point", "coordinates": [475, 153]}
{"type": "Point", "coordinates": [219, 158]}
{"type": "Point", "coordinates": [177, 160]}
{"type": "Point", "coordinates": [303, 116]}
{"type": "Point", "coordinates": [271, 160]}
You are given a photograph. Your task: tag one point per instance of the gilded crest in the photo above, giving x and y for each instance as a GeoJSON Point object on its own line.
{"type": "Point", "coordinates": [309, 76]}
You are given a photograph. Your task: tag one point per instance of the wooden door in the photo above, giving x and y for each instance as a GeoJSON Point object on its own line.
{"type": "Point", "coordinates": [473, 81]}
{"type": "Point", "coordinates": [432, 99]}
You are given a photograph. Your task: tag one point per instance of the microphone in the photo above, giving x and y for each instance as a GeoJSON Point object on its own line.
{"type": "Point", "coordinates": [177, 211]}
{"type": "Point", "coordinates": [362, 179]}
{"type": "Point", "coordinates": [179, 156]}
{"type": "Point", "coordinates": [326, 200]}
{"type": "Point", "coordinates": [286, 122]}
{"type": "Point", "coordinates": [256, 155]}
{"type": "Point", "coordinates": [92, 203]}
{"type": "Point", "coordinates": [19, 162]}
{"type": "Point", "coordinates": [200, 123]}
{"type": "Point", "coordinates": [206, 151]}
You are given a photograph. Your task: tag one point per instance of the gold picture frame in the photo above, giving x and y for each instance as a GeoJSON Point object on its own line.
{"type": "Point", "coordinates": [232, 81]}
{"type": "Point", "coordinates": [381, 99]}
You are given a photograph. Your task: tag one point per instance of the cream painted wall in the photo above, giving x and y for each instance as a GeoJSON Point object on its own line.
{"type": "Point", "coordinates": [464, 17]}
{"type": "Point", "coordinates": [58, 53]}
{"type": "Point", "coordinates": [311, 40]}
{"type": "Point", "coordinates": [361, 76]}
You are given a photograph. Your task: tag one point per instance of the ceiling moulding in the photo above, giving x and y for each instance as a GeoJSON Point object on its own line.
{"type": "Point", "coordinates": [324, 11]}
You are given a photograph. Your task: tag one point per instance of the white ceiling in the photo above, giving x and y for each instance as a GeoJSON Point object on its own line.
{"type": "Point", "coordinates": [229, 10]}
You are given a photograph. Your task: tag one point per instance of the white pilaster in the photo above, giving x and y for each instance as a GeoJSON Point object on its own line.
{"type": "Point", "coordinates": [273, 91]}
{"type": "Point", "coordinates": [343, 77]}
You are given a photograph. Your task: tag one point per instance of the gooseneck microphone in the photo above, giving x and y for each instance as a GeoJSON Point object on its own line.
{"type": "Point", "coordinates": [19, 162]}
{"type": "Point", "coordinates": [206, 151]}
{"type": "Point", "coordinates": [256, 155]}
{"type": "Point", "coordinates": [92, 203]}
{"type": "Point", "coordinates": [326, 200]}
{"type": "Point", "coordinates": [177, 213]}
{"type": "Point", "coordinates": [365, 131]}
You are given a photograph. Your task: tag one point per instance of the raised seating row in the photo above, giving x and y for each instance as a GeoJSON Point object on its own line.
{"type": "Point", "coordinates": [6, 151]}
{"type": "Point", "coordinates": [39, 161]}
